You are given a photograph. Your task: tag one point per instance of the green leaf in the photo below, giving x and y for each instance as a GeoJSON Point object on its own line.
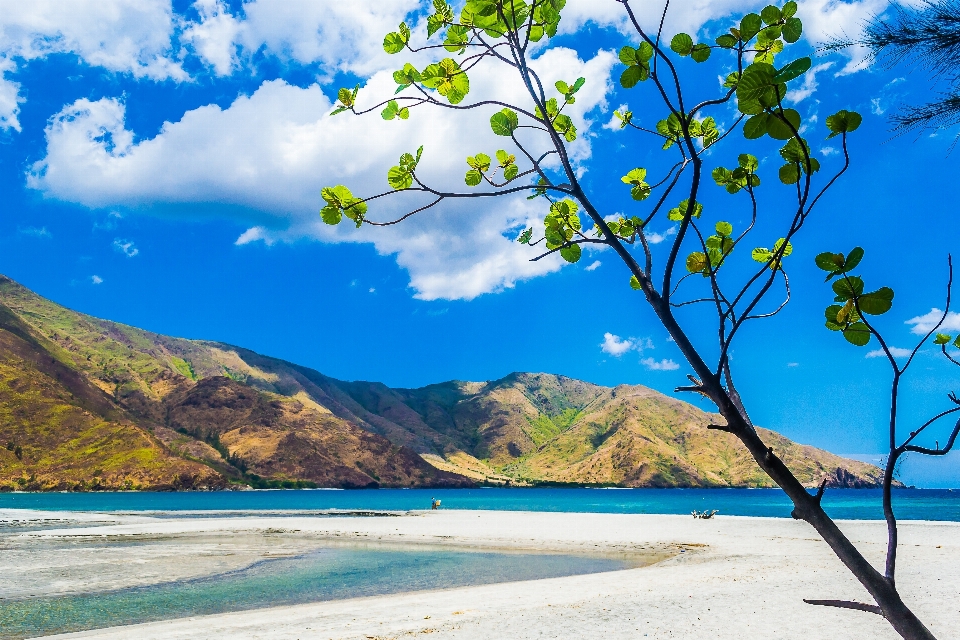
{"type": "Point", "coordinates": [843, 121]}
{"type": "Point", "coordinates": [848, 287]}
{"type": "Point", "coordinates": [789, 174]}
{"type": "Point", "coordinates": [829, 261]}
{"type": "Point", "coordinates": [942, 338]}
{"type": "Point", "coordinates": [700, 53]}
{"type": "Point", "coordinates": [956, 343]}
{"type": "Point", "coordinates": [831, 313]}
{"type": "Point", "coordinates": [792, 30]}
{"type": "Point", "coordinates": [634, 283]}
{"type": "Point", "coordinates": [756, 126]}
{"type": "Point", "coordinates": [678, 213]}
{"type": "Point", "coordinates": [724, 228]}
{"type": "Point", "coordinates": [750, 26]}
{"type": "Point", "coordinates": [726, 41]}
{"type": "Point", "coordinates": [633, 75]}
{"type": "Point", "coordinates": [473, 178]}
{"type": "Point", "coordinates": [856, 255]}
{"type": "Point", "coordinates": [524, 237]}
{"type": "Point", "coordinates": [393, 42]}
{"type": "Point", "coordinates": [399, 178]}
{"type": "Point", "coordinates": [793, 70]}
{"type": "Point", "coordinates": [748, 162]}
{"type": "Point", "coordinates": [504, 122]}
{"type": "Point", "coordinates": [331, 214]}
{"type": "Point", "coordinates": [511, 171]}
{"type": "Point", "coordinates": [770, 14]}
{"type": "Point", "coordinates": [682, 44]}
{"type": "Point", "coordinates": [876, 303]}
{"type": "Point", "coordinates": [778, 129]}
{"type": "Point", "coordinates": [761, 254]}
{"type": "Point", "coordinates": [789, 9]}
{"type": "Point", "coordinates": [571, 253]}
{"type": "Point", "coordinates": [628, 56]}
{"type": "Point", "coordinates": [697, 263]}
{"type": "Point", "coordinates": [857, 334]}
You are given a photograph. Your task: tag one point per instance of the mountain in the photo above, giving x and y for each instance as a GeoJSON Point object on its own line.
{"type": "Point", "coordinates": [91, 404]}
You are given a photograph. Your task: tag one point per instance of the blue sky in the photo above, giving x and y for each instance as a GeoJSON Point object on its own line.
{"type": "Point", "coordinates": [160, 165]}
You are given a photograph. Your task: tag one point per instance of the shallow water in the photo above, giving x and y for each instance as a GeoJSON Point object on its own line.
{"type": "Point", "coordinates": [853, 504]}
{"type": "Point", "coordinates": [327, 574]}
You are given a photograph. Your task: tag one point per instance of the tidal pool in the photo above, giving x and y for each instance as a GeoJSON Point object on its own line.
{"type": "Point", "coordinates": [326, 574]}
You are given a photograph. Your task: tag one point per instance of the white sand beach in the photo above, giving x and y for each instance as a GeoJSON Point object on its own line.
{"type": "Point", "coordinates": [730, 577]}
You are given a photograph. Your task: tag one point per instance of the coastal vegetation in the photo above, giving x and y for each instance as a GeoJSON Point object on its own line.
{"type": "Point", "coordinates": [702, 274]}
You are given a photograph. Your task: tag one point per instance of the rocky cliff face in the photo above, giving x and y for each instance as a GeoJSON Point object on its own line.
{"type": "Point", "coordinates": [87, 403]}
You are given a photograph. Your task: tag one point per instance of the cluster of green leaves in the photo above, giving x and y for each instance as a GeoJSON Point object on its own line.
{"type": "Point", "coordinates": [671, 128]}
{"type": "Point", "coordinates": [561, 122]}
{"type": "Point", "coordinates": [480, 165]}
{"type": "Point", "coordinates": [679, 212]}
{"type": "Point", "coordinates": [396, 41]}
{"type": "Point", "coordinates": [341, 202]}
{"type": "Point", "coordinates": [401, 176]}
{"type": "Point", "coordinates": [560, 225]}
{"type": "Point", "coordinates": [849, 290]}
{"type": "Point", "coordinates": [504, 122]}
{"type": "Point", "coordinates": [682, 44]}
{"type": "Point", "coordinates": [625, 228]}
{"type": "Point", "coordinates": [636, 178]}
{"type": "Point", "coordinates": [773, 257]}
{"type": "Point", "coordinates": [569, 91]}
{"type": "Point", "coordinates": [743, 177]}
{"type": "Point", "coordinates": [448, 79]}
{"type": "Point", "coordinates": [625, 117]}
{"type": "Point", "coordinates": [346, 100]}
{"type": "Point", "coordinates": [497, 18]}
{"type": "Point", "coordinates": [796, 153]}
{"type": "Point", "coordinates": [638, 64]}
{"type": "Point", "coordinates": [394, 110]}
{"type": "Point", "coordinates": [719, 246]}
{"type": "Point", "coordinates": [943, 339]}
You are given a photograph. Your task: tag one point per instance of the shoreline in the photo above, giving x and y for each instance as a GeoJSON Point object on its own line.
{"type": "Point", "coordinates": [736, 577]}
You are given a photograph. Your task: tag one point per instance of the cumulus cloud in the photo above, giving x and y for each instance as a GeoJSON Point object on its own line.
{"type": "Point", "coordinates": [924, 324]}
{"type": "Point", "coordinates": [616, 346]}
{"type": "Point", "coordinates": [897, 352]}
{"type": "Point", "coordinates": [593, 266]}
{"type": "Point", "coordinates": [809, 85]}
{"type": "Point", "coordinates": [270, 153]}
{"type": "Point", "coordinates": [662, 365]}
{"type": "Point", "coordinates": [128, 36]}
{"type": "Point", "coordinates": [126, 247]}
{"type": "Point", "coordinates": [96, 279]}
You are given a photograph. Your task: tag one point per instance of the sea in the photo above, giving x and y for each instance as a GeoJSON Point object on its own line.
{"type": "Point", "coordinates": [841, 504]}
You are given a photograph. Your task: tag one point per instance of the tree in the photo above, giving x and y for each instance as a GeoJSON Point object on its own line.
{"type": "Point", "coordinates": [537, 162]}
{"type": "Point", "coordinates": [928, 36]}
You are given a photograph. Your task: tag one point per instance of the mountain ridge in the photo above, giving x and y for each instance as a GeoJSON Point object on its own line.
{"type": "Point", "coordinates": [205, 414]}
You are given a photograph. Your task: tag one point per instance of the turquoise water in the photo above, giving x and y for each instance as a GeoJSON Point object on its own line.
{"type": "Point", "coordinates": [852, 504]}
{"type": "Point", "coordinates": [328, 574]}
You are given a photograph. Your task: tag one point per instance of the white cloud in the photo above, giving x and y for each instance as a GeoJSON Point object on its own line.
{"type": "Point", "coordinates": [662, 365]}
{"type": "Point", "coordinates": [269, 154]}
{"type": "Point", "coordinates": [340, 36]}
{"type": "Point", "coordinates": [809, 85]}
{"type": "Point", "coordinates": [126, 247]}
{"type": "Point", "coordinates": [925, 324]}
{"type": "Point", "coordinates": [593, 266]}
{"type": "Point", "coordinates": [657, 238]}
{"type": "Point", "coordinates": [253, 234]}
{"type": "Point", "coordinates": [616, 346]}
{"type": "Point", "coordinates": [127, 36]}
{"type": "Point", "coordinates": [96, 279]}
{"type": "Point", "coordinates": [897, 352]}
{"type": "Point", "coordinates": [793, 364]}
{"type": "Point", "coordinates": [215, 37]}
{"type": "Point", "coordinates": [372, 290]}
